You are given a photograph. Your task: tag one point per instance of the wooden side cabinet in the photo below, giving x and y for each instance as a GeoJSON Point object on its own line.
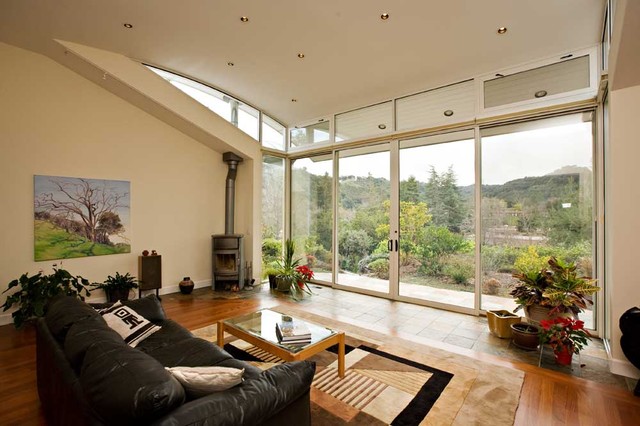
{"type": "Point", "coordinates": [149, 273]}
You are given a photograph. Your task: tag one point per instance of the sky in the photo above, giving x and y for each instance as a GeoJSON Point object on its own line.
{"type": "Point", "coordinates": [505, 157]}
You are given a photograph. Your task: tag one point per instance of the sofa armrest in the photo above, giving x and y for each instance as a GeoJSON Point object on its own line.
{"type": "Point", "coordinates": [253, 402]}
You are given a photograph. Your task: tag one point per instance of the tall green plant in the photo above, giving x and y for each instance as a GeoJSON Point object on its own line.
{"type": "Point", "coordinates": [36, 291]}
{"type": "Point", "coordinates": [289, 270]}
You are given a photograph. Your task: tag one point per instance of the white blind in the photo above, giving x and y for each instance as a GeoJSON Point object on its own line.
{"type": "Point", "coordinates": [553, 79]}
{"type": "Point", "coordinates": [428, 109]}
{"type": "Point", "coordinates": [363, 122]}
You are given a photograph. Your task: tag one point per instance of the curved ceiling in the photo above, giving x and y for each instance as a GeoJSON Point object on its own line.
{"type": "Point", "coordinates": [351, 57]}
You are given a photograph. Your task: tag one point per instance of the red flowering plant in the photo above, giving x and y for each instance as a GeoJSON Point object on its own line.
{"type": "Point", "coordinates": [564, 332]}
{"type": "Point", "coordinates": [303, 275]}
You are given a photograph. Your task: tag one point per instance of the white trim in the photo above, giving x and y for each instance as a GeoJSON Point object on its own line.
{"type": "Point", "coordinates": [623, 368]}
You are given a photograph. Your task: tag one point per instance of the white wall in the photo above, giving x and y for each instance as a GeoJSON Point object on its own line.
{"type": "Point", "coordinates": [55, 122]}
{"type": "Point", "coordinates": [623, 217]}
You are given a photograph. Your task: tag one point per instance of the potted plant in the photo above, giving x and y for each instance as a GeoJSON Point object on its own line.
{"type": "Point", "coordinates": [36, 291]}
{"type": "Point", "coordinates": [118, 287]}
{"type": "Point", "coordinates": [566, 337]}
{"type": "Point", "coordinates": [525, 336]}
{"type": "Point", "coordinates": [290, 275]}
{"type": "Point", "coordinates": [553, 291]}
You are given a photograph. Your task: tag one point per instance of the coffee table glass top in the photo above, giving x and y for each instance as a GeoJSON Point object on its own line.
{"type": "Point", "coordinates": [262, 324]}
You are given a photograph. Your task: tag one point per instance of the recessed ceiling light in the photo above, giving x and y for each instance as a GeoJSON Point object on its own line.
{"type": "Point", "coordinates": [384, 16]}
{"type": "Point", "coordinates": [129, 26]}
{"type": "Point", "coordinates": [502, 30]}
{"type": "Point", "coordinates": [300, 55]}
{"type": "Point", "coordinates": [230, 64]}
{"type": "Point", "coordinates": [244, 19]}
{"type": "Point", "coordinates": [294, 100]}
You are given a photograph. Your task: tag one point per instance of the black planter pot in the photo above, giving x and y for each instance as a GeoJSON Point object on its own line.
{"type": "Point", "coordinates": [525, 336]}
{"type": "Point", "coordinates": [272, 281]}
{"type": "Point", "coordinates": [117, 294]}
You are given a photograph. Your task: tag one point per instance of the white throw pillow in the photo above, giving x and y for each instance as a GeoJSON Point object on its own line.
{"type": "Point", "coordinates": [201, 381]}
{"type": "Point", "coordinates": [129, 324]}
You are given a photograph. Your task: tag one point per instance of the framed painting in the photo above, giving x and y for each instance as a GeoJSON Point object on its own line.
{"type": "Point", "coordinates": [78, 217]}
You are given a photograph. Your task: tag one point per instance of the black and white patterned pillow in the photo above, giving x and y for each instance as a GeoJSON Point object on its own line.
{"type": "Point", "coordinates": [129, 324]}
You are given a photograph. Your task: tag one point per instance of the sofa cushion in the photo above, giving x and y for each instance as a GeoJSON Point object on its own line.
{"type": "Point", "coordinates": [129, 324]}
{"type": "Point", "coordinates": [251, 402]}
{"type": "Point", "coordinates": [148, 306]}
{"type": "Point", "coordinates": [63, 311]}
{"type": "Point", "coordinates": [126, 386]}
{"type": "Point", "coordinates": [201, 381]}
{"type": "Point", "coordinates": [83, 334]}
{"type": "Point", "coordinates": [170, 333]}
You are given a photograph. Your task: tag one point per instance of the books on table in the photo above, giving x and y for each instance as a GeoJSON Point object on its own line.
{"type": "Point", "coordinates": [293, 332]}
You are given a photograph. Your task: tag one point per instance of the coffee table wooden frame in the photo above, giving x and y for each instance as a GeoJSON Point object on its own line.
{"type": "Point", "coordinates": [282, 353]}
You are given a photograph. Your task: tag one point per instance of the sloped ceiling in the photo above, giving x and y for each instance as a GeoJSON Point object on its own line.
{"type": "Point", "coordinates": [352, 57]}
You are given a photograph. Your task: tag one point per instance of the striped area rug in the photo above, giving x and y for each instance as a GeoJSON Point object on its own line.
{"type": "Point", "coordinates": [390, 380]}
{"type": "Point", "coordinates": [378, 387]}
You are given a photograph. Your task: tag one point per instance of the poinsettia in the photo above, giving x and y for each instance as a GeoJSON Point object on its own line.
{"type": "Point", "coordinates": [564, 332]}
{"type": "Point", "coordinates": [305, 275]}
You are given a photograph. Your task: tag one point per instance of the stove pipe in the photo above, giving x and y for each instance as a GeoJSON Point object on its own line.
{"type": "Point", "coordinates": [230, 190]}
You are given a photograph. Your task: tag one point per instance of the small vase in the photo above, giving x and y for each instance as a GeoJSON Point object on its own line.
{"type": "Point", "coordinates": [186, 285]}
{"type": "Point", "coordinates": [563, 355]}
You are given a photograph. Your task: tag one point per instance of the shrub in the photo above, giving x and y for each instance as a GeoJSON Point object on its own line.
{"type": "Point", "coordinates": [440, 243]}
{"type": "Point", "coordinates": [380, 268]}
{"type": "Point", "coordinates": [363, 264]}
{"type": "Point", "coordinates": [271, 250]}
{"type": "Point", "coordinates": [354, 245]}
{"type": "Point", "coordinates": [499, 258]}
{"type": "Point", "coordinates": [530, 261]}
{"type": "Point", "coordinates": [459, 270]}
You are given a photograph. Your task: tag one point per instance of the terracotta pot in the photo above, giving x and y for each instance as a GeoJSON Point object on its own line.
{"type": "Point", "coordinates": [525, 336]}
{"type": "Point", "coordinates": [563, 355]}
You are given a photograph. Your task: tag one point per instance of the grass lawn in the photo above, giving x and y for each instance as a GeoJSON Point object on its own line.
{"type": "Point", "coordinates": [52, 242]}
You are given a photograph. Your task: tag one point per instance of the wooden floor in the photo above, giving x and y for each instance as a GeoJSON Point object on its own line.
{"type": "Point", "coordinates": [548, 398]}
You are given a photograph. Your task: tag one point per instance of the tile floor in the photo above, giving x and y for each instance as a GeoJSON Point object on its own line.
{"type": "Point", "coordinates": [451, 328]}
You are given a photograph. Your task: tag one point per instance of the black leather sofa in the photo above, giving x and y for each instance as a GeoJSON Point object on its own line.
{"type": "Point", "coordinates": [87, 375]}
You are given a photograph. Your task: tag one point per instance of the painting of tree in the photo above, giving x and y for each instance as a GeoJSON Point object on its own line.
{"type": "Point", "coordinates": [78, 217]}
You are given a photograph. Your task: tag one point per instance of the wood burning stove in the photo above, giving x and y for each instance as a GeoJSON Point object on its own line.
{"type": "Point", "coordinates": [228, 248]}
{"type": "Point", "coordinates": [228, 255]}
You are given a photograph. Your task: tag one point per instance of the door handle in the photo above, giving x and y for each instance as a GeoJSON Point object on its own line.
{"type": "Point", "coordinates": [389, 245]}
{"type": "Point", "coordinates": [396, 244]}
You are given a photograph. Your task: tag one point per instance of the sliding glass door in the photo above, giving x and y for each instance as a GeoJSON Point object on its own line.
{"type": "Point", "coordinates": [312, 213]}
{"type": "Point", "coordinates": [364, 207]}
{"type": "Point", "coordinates": [408, 221]}
{"type": "Point", "coordinates": [437, 210]}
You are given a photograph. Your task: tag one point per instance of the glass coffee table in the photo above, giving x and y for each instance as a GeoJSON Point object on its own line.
{"type": "Point", "coordinates": [259, 329]}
